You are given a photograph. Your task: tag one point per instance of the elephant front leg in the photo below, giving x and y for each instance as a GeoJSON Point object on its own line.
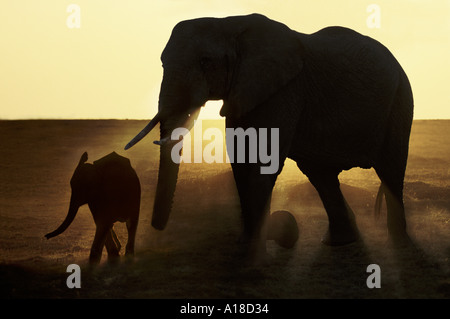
{"type": "Point", "coordinates": [99, 241]}
{"type": "Point", "coordinates": [255, 192]}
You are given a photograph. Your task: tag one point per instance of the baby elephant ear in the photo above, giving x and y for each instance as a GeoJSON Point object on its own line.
{"type": "Point", "coordinates": [269, 55]}
{"type": "Point", "coordinates": [83, 158]}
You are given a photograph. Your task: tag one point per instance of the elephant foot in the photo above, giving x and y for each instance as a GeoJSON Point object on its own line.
{"type": "Point", "coordinates": [257, 257]}
{"type": "Point", "coordinates": [129, 257]}
{"type": "Point", "coordinates": [400, 240]}
{"type": "Point", "coordinates": [113, 259]}
{"type": "Point", "coordinates": [94, 259]}
{"type": "Point", "coordinates": [129, 249]}
{"type": "Point", "coordinates": [339, 237]}
{"type": "Point", "coordinates": [244, 238]}
{"type": "Point", "coordinates": [255, 253]}
{"type": "Point", "coordinates": [259, 260]}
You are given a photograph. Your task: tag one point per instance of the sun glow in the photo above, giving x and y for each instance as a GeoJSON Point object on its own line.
{"type": "Point", "coordinates": [211, 111]}
{"type": "Point", "coordinates": [99, 59]}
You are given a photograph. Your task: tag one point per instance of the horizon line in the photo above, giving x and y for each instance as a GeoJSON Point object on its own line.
{"type": "Point", "coordinates": [148, 119]}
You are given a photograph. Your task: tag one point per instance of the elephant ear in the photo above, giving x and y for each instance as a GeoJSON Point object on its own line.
{"type": "Point", "coordinates": [83, 159]}
{"type": "Point", "coordinates": [268, 56]}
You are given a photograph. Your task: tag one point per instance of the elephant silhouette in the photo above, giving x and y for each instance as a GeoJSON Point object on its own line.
{"type": "Point", "coordinates": [111, 188]}
{"type": "Point", "coordinates": [339, 99]}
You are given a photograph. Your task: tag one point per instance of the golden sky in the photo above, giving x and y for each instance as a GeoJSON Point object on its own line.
{"type": "Point", "coordinates": [109, 66]}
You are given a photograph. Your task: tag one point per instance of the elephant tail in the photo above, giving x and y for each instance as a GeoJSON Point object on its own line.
{"type": "Point", "coordinates": [379, 201]}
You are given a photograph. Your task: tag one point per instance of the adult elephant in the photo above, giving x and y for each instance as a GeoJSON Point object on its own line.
{"type": "Point", "coordinates": [339, 99]}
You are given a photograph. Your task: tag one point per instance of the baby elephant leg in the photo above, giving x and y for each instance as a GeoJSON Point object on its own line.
{"type": "Point", "coordinates": [99, 241]}
{"type": "Point", "coordinates": [131, 227]}
{"type": "Point", "coordinates": [112, 244]}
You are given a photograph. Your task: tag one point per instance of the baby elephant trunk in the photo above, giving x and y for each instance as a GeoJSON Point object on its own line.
{"type": "Point", "coordinates": [73, 209]}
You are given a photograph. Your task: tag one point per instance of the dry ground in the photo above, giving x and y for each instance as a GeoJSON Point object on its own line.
{"type": "Point", "coordinates": [197, 255]}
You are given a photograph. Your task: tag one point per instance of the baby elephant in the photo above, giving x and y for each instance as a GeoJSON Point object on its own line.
{"type": "Point", "coordinates": [112, 190]}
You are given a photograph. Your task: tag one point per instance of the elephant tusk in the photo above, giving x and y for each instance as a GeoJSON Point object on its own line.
{"type": "Point", "coordinates": [161, 141]}
{"type": "Point", "coordinates": [144, 132]}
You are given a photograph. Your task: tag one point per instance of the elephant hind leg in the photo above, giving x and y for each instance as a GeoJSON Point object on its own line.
{"type": "Point", "coordinates": [392, 183]}
{"type": "Point", "coordinates": [131, 228]}
{"type": "Point", "coordinates": [342, 227]}
{"type": "Point", "coordinates": [115, 239]}
{"type": "Point", "coordinates": [391, 164]}
{"type": "Point", "coordinates": [112, 244]}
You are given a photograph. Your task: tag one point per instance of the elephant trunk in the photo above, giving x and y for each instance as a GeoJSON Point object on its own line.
{"type": "Point", "coordinates": [168, 169]}
{"type": "Point", "coordinates": [73, 209]}
{"type": "Point", "coordinates": [165, 189]}
{"type": "Point", "coordinates": [173, 113]}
